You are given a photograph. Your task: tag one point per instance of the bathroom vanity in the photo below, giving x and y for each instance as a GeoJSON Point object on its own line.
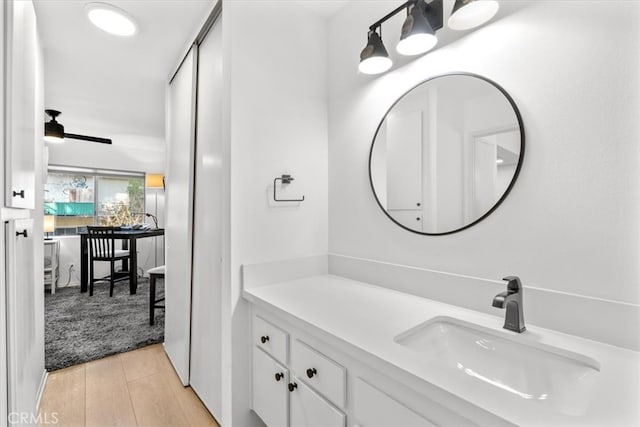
{"type": "Point", "coordinates": [332, 351]}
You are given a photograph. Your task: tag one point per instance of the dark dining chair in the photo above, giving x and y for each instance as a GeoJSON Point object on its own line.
{"type": "Point", "coordinates": [102, 248]}
{"type": "Point", "coordinates": [154, 274]}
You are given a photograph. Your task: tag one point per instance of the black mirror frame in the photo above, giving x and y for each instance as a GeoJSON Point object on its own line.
{"type": "Point", "coordinates": [515, 175]}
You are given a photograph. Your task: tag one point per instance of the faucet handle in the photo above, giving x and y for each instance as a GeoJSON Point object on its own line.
{"type": "Point", "coordinates": [513, 283]}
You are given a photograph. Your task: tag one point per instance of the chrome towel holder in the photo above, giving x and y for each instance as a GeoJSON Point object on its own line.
{"type": "Point", "coordinates": [284, 179]}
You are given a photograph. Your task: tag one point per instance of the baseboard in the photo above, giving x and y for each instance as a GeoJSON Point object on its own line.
{"type": "Point", "coordinates": [43, 384]}
{"type": "Point", "coordinates": [164, 346]}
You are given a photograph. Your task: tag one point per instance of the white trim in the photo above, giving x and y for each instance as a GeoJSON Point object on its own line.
{"type": "Point", "coordinates": [43, 385]}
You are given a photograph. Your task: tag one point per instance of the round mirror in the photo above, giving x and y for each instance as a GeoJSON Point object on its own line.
{"type": "Point", "coordinates": [446, 154]}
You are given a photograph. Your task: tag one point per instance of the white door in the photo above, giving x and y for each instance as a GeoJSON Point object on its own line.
{"type": "Point", "coordinates": [3, 301]}
{"type": "Point", "coordinates": [22, 57]}
{"type": "Point", "coordinates": [270, 398]}
{"type": "Point", "coordinates": [309, 409]}
{"type": "Point", "coordinates": [485, 170]}
{"type": "Point", "coordinates": [206, 328]}
{"type": "Point", "coordinates": [404, 161]}
{"type": "Point", "coordinates": [23, 323]}
{"type": "Point", "coordinates": [179, 211]}
{"type": "Point", "coordinates": [410, 219]}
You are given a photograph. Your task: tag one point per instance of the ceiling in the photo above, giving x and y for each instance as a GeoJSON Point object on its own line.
{"type": "Point", "coordinates": [107, 85]}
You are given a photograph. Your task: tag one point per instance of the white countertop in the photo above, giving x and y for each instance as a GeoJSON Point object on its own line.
{"type": "Point", "coordinates": [369, 317]}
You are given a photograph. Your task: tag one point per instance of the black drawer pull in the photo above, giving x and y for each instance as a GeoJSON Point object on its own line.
{"type": "Point", "coordinates": [311, 372]}
{"type": "Point", "coordinates": [18, 193]}
{"type": "Point", "coordinates": [264, 339]}
{"type": "Point", "coordinates": [279, 376]}
{"type": "Point", "coordinates": [292, 386]}
{"type": "Point", "coordinates": [22, 233]}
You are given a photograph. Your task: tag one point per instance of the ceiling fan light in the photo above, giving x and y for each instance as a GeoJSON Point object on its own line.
{"type": "Point", "coordinates": [467, 14]}
{"type": "Point", "coordinates": [53, 130]}
{"type": "Point", "coordinates": [374, 58]}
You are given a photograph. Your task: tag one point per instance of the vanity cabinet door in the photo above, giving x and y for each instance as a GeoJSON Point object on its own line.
{"type": "Point", "coordinates": [374, 408]}
{"type": "Point", "coordinates": [309, 409]}
{"type": "Point", "coordinates": [271, 339]}
{"type": "Point", "coordinates": [21, 100]}
{"type": "Point", "coordinates": [319, 372]}
{"type": "Point", "coordinates": [270, 398]}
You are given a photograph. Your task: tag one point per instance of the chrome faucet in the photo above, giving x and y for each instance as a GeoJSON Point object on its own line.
{"type": "Point", "coordinates": [512, 301]}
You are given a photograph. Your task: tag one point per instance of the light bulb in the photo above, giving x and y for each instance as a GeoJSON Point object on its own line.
{"type": "Point", "coordinates": [472, 14]}
{"type": "Point", "coordinates": [375, 65]}
{"type": "Point", "coordinates": [416, 44]}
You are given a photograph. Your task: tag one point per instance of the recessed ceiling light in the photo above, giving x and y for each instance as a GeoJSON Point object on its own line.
{"type": "Point", "coordinates": [111, 19]}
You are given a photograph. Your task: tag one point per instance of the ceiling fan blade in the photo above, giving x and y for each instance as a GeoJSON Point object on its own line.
{"type": "Point", "coordinates": [88, 138]}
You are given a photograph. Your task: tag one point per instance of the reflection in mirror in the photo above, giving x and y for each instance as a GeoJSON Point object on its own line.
{"type": "Point", "coordinates": [446, 154]}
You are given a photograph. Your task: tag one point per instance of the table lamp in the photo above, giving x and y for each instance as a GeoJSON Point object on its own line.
{"type": "Point", "coordinates": [49, 225]}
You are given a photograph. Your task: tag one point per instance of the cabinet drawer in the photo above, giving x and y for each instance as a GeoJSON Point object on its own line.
{"type": "Point", "coordinates": [269, 397]}
{"type": "Point", "coordinates": [309, 409]}
{"type": "Point", "coordinates": [372, 407]}
{"type": "Point", "coordinates": [271, 339]}
{"type": "Point", "coordinates": [320, 372]}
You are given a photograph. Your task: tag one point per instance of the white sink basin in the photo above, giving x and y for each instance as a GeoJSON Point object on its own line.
{"type": "Point", "coordinates": [506, 361]}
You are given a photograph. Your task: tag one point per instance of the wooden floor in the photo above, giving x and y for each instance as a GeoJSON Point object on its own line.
{"type": "Point", "coordinates": [138, 388]}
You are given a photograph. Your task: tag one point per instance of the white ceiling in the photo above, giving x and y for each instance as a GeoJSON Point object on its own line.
{"type": "Point", "coordinates": [107, 85]}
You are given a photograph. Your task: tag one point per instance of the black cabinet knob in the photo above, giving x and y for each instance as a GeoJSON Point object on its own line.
{"type": "Point", "coordinates": [22, 233]}
{"type": "Point", "coordinates": [18, 193]}
{"type": "Point", "coordinates": [279, 376]}
{"type": "Point", "coordinates": [311, 372]}
{"type": "Point", "coordinates": [292, 386]}
{"type": "Point", "coordinates": [417, 204]}
{"type": "Point", "coordinates": [264, 339]}
{"type": "Point", "coordinates": [417, 218]}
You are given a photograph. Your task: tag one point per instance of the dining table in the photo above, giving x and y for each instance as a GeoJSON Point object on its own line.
{"type": "Point", "coordinates": [129, 238]}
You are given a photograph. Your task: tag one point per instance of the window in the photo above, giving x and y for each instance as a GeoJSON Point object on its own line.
{"type": "Point", "coordinates": [81, 197]}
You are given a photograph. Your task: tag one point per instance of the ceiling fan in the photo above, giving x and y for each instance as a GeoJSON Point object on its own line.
{"type": "Point", "coordinates": [54, 131]}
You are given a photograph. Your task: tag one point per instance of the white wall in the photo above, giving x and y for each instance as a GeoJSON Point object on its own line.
{"type": "Point", "coordinates": [571, 223]}
{"type": "Point", "coordinates": [278, 124]}
{"type": "Point", "coordinates": [128, 152]}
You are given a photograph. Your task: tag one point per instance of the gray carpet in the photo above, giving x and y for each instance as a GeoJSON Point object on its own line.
{"type": "Point", "coordinates": [80, 328]}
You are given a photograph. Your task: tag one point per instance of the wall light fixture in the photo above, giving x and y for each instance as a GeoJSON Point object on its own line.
{"type": "Point", "coordinates": [418, 34]}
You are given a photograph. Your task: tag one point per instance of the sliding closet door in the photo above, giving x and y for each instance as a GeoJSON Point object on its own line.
{"type": "Point", "coordinates": [206, 336]}
{"type": "Point", "coordinates": [179, 214]}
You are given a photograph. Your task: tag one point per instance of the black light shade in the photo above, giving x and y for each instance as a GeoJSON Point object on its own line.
{"type": "Point", "coordinates": [53, 131]}
{"type": "Point", "coordinates": [467, 14]}
{"type": "Point", "coordinates": [374, 58]}
{"type": "Point", "coordinates": [417, 35]}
